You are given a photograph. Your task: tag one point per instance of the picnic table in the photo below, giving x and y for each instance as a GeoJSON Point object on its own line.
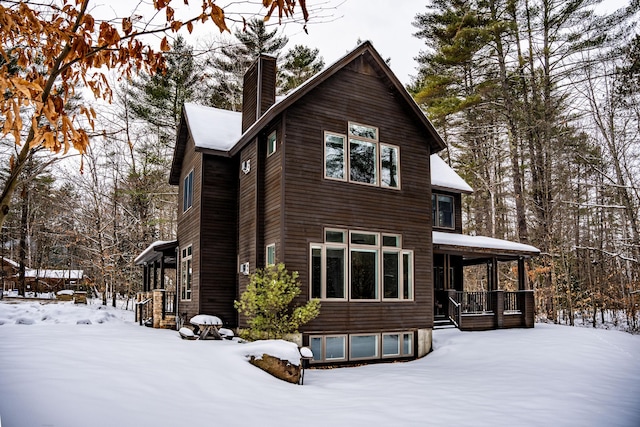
{"type": "Point", "coordinates": [207, 325]}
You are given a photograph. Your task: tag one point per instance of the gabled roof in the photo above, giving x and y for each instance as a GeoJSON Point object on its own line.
{"type": "Point", "coordinates": [443, 177]}
{"type": "Point", "coordinates": [203, 122]}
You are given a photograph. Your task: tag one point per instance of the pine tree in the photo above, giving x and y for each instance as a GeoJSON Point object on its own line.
{"type": "Point", "coordinates": [298, 65]}
{"type": "Point", "coordinates": [158, 99]}
{"type": "Point", "coordinates": [225, 86]}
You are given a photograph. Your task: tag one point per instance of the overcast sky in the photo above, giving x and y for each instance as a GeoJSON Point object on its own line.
{"type": "Point", "coordinates": [387, 24]}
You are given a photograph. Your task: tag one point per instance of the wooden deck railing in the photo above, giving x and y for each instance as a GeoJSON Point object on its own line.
{"type": "Point", "coordinates": [512, 302]}
{"type": "Point", "coordinates": [491, 310]}
{"type": "Point", "coordinates": [454, 312]}
{"type": "Point", "coordinates": [145, 310]}
{"type": "Point", "coordinates": [475, 302]}
{"type": "Point", "coordinates": [168, 303]}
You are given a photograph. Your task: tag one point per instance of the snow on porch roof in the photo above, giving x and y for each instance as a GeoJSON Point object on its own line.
{"type": "Point", "coordinates": [445, 178]}
{"type": "Point", "coordinates": [147, 254]}
{"type": "Point", "coordinates": [482, 242]}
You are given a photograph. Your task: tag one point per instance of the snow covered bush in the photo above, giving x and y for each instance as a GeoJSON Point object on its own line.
{"type": "Point", "coordinates": [267, 304]}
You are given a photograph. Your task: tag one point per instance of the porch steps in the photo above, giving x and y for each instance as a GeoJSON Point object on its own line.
{"type": "Point", "coordinates": [442, 322]}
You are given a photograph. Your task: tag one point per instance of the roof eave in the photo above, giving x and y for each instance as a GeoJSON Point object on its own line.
{"type": "Point", "coordinates": [309, 85]}
{"type": "Point", "coordinates": [451, 190]}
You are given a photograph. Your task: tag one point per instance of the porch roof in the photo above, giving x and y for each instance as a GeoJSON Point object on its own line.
{"type": "Point", "coordinates": [154, 251]}
{"type": "Point", "coordinates": [477, 246]}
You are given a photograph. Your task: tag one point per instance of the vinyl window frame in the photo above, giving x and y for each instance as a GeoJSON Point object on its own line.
{"type": "Point", "coordinates": [270, 252]}
{"type": "Point", "coordinates": [380, 249]}
{"type": "Point", "coordinates": [347, 140]}
{"type": "Point", "coordinates": [186, 273]}
{"type": "Point", "coordinates": [187, 191]}
{"type": "Point", "coordinates": [272, 143]}
{"type": "Point", "coordinates": [323, 348]}
{"type": "Point", "coordinates": [402, 337]}
{"type": "Point", "coordinates": [377, 346]}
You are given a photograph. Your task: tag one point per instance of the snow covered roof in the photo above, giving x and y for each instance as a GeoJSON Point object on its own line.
{"type": "Point", "coordinates": [445, 178]}
{"type": "Point", "coordinates": [10, 262]}
{"type": "Point", "coordinates": [463, 241]}
{"type": "Point", "coordinates": [53, 274]}
{"type": "Point", "coordinates": [221, 130]}
{"type": "Point", "coordinates": [147, 254]}
{"type": "Point", "coordinates": [213, 128]}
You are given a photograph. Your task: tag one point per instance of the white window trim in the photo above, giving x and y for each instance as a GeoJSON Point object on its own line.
{"type": "Point", "coordinates": [275, 143]}
{"type": "Point", "coordinates": [377, 138]}
{"type": "Point", "coordinates": [323, 356]}
{"type": "Point", "coordinates": [378, 343]}
{"type": "Point", "coordinates": [345, 160]}
{"type": "Point", "coordinates": [349, 247]}
{"type": "Point", "coordinates": [347, 156]}
{"type": "Point", "coordinates": [266, 261]}
{"type": "Point", "coordinates": [377, 160]}
{"type": "Point", "coordinates": [380, 166]}
{"type": "Point", "coordinates": [401, 352]}
{"type": "Point", "coordinates": [184, 260]}
{"type": "Point", "coordinates": [323, 269]}
{"type": "Point", "coordinates": [184, 190]}
{"type": "Point", "coordinates": [379, 347]}
{"type": "Point", "coordinates": [370, 249]}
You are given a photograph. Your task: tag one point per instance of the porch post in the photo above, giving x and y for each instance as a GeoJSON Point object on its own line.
{"type": "Point", "coordinates": [145, 278]}
{"type": "Point", "coordinates": [162, 271]}
{"type": "Point", "coordinates": [494, 274]}
{"type": "Point", "coordinates": [499, 307]}
{"type": "Point", "coordinates": [522, 284]}
{"type": "Point", "coordinates": [155, 274]}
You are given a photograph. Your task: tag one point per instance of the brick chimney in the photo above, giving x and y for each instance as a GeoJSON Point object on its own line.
{"type": "Point", "coordinates": [259, 90]}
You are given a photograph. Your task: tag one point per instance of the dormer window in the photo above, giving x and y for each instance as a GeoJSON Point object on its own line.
{"type": "Point", "coordinates": [360, 157]}
{"type": "Point", "coordinates": [442, 211]}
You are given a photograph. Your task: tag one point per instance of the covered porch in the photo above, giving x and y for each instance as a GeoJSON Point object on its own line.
{"type": "Point", "coordinates": [156, 305]}
{"type": "Point", "coordinates": [480, 283]}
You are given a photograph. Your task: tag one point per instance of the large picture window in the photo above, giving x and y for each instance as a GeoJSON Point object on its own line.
{"type": "Point", "coordinates": [186, 273]}
{"type": "Point", "coordinates": [187, 192]}
{"type": "Point", "coordinates": [442, 211]}
{"type": "Point", "coordinates": [361, 158]}
{"type": "Point", "coordinates": [361, 266]}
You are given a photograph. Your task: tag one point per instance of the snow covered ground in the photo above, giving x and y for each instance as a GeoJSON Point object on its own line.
{"type": "Point", "coordinates": [66, 365]}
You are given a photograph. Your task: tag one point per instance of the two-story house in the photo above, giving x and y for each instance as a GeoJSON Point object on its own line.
{"type": "Point", "coordinates": [334, 181]}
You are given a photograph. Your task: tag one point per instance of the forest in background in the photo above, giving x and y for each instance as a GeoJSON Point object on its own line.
{"type": "Point", "coordinates": [536, 99]}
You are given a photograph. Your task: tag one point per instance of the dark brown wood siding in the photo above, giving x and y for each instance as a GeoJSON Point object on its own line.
{"type": "Point", "coordinates": [259, 85]}
{"type": "Point", "coordinates": [273, 194]}
{"type": "Point", "coordinates": [189, 227]}
{"type": "Point", "coordinates": [248, 217]}
{"type": "Point", "coordinates": [218, 237]}
{"type": "Point", "coordinates": [312, 203]}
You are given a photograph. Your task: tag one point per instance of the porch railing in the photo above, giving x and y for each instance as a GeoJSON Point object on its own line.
{"type": "Point", "coordinates": [454, 312]}
{"type": "Point", "coordinates": [145, 310]}
{"type": "Point", "coordinates": [512, 302]}
{"type": "Point", "coordinates": [168, 303]}
{"type": "Point", "coordinates": [475, 302]}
